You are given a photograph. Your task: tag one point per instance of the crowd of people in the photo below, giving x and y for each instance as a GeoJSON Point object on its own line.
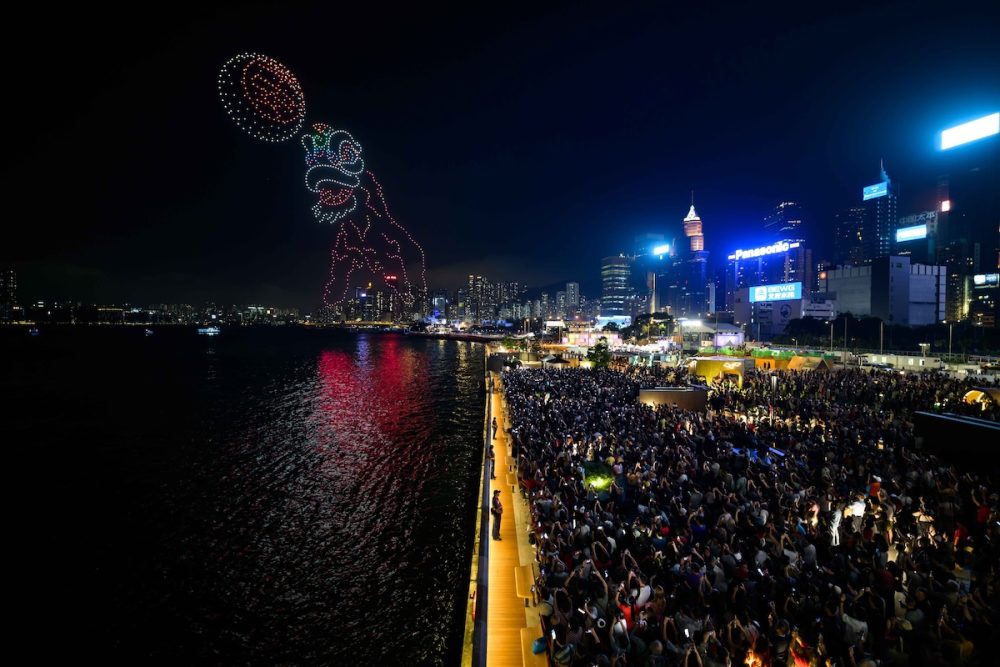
{"type": "Point", "coordinates": [790, 522]}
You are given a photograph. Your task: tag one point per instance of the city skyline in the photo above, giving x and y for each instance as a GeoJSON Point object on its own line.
{"type": "Point", "coordinates": [211, 216]}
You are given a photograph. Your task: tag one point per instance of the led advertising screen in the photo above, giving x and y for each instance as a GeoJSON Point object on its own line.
{"type": "Point", "coordinates": [875, 191]}
{"type": "Point", "coordinates": [982, 279]}
{"type": "Point", "coordinates": [779, 292]}
{"type": "Point", "coordinates": [661, 249]}
{"type": "Point", "coordinates": [986, 126]}
{"type": "Point", "coordinates": [904, 234]}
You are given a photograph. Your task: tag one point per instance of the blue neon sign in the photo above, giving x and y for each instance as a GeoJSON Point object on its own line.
{"type": "Point", "coordinates": [875, 191]}
{"type": "Point", "coordinates": [779, 292]}
{"type": "Point", "coordinates": [904, 234]}
{"type": "Point", "coordinates": [986, 126]}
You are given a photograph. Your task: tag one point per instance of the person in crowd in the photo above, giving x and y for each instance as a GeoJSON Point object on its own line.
{"type": "Point", "coordinates": [790, 525]}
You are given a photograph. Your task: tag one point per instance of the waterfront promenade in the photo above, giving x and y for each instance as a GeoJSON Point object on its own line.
{"type": "Point", "coordinates": [507, 613]}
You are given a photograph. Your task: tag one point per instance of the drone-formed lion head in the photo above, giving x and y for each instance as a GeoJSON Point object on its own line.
{"type": "Point", "coordinates": [333, 170]}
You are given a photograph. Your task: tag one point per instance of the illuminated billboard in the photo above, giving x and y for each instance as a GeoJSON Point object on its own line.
{"type": "Point", "coordinates": [773, 249]}
{"type": "Point", "coordinates": [779, 292]}
{"type": "Point", "coordinates": [980, 128]}
{"type": "Point", "coordinates": [983, 279]}
{"type": "Point", "coordinates": [875, 191]}
{"type": "Point", "coordinates": [661, 249]}
{"type": "Point", "coordinates": [904, 234]}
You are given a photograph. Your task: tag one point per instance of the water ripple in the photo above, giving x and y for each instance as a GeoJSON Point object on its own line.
{"type": "Point", "coordinates": [269, 497]}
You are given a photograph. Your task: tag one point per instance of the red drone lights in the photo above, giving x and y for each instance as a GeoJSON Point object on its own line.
{"type": "Point", "coordinates": [262, 96]}
{"type": "Point", "coordinates": [369, 241]}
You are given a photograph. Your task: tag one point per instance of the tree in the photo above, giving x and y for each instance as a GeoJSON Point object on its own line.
{"type": "Point", "coordinates": [611, 327]}
{"type": "Point", "coordinates": [510, 343]}
{"type": "Point", "coordinates": [599, 355]}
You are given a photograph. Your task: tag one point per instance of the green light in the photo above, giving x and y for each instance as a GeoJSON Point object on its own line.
{"type": "Point", "coordinates": [599, 482]}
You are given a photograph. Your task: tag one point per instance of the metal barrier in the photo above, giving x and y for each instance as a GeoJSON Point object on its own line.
{"type": "Point", "coordinates": [483, 575]}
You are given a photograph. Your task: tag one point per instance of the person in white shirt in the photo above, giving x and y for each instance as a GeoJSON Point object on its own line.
{"type": "Point", "coordinates": [835, 517]}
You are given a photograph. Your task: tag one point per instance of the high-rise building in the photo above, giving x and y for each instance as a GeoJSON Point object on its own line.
{"type": "Point", "coordinates": [787, 261]}
{"type": "Point", "coordinates": [616, 273]}
{"type": "Point", "coordinates": [968, 204]}
{"type": "Point", "coordinates": [645, 243]}
{"type": "Point", "coordinates": [879, 201]}
{"type": "Point", "coordinates": [916, 237]}
{"type": "Point", "coordinates": [462, 310]}
{"type": "Point", "coordinates": [784, 220]}
{"type": "Point", "coordinates": [560, 311]}
{"type": "Point", "coordinates": [482, 298]}
{"type": "Point", "coordinates": [984, 299]}
{"type": "Point", "coordinates": [572, 298]}
{"type": "Point", "coordinates": [694, 299]}
{"type": "Point", "coordinates": [439, 304]}
{"type": "Point", "coordinates": [849, 244]}
{"type": "Point", "coordinates": [693, 230]}
{"type": "Point", "coordinates": [8, 294]}
{"type": "Point", "coordinates": [890, 288]}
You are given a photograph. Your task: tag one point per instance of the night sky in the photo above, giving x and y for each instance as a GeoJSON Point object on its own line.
{"type": "Point", "coordinates": [518, 142]}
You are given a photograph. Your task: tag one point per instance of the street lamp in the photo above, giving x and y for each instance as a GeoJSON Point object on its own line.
{"type": "Point", "coordinates": [830, 322]}
{"type": "Point", "coordinates": [845, 339]}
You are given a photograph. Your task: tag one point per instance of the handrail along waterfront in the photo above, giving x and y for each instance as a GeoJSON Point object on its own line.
{"type": "Point", "coordinates": [481, 593]}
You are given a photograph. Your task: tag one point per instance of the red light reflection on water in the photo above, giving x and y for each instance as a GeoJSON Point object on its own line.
{"type": "Point", "coordinates": [374, 410]}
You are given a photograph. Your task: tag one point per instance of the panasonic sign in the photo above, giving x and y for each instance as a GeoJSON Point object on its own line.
{"type": "Point", "coordinates": [773, 249]}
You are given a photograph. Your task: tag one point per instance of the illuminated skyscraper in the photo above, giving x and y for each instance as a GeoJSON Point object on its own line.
{"type": "Point", "coordinates": [572, 298]}
{"type": "Point", "coordinates": [786, 261]}
{"type": "Point", "coordinates": [785, 220]}
{"type": "Point", "coordinates": [8, 293]}
{"type": "Point", "coordinates": [692, 230]}
{"type": "Point", "coordinates": [880, 216]}
{"type": "Point", "coordinates": [849, 245]}
{"type": "Point", "coordinates": [616, 273]}
{"type": "Point", "coordinates": [685, 289]}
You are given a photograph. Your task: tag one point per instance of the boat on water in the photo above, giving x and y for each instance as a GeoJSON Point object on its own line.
{"type": "Point", "coordinates": [209, 331]}
{"type": "Point", "coordinates": [34, 331]}
{"type": "Point", "coordinates": [149, 332]}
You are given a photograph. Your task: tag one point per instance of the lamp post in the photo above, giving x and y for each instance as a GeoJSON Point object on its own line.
{"type": "Point", "coordinates": [880, 323]}
{"type": "Point", "coordinates": [831, 335]}
{"type": "Point", "coordinates": [950, 325]}
{"type": "Point", "coordinates": [715, 334]}
{"type": "Point", "coordinates": [845, 340]}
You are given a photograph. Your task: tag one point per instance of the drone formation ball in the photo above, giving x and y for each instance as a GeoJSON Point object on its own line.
{"type": "Point", "coordinates": [262, 96]}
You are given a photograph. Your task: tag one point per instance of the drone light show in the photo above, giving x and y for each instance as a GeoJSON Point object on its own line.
{"type": "Point", "coordinates": [369, 243]}
{"type": "Point", "coordinates": [265, 100]}
{"type": "Point", "coordinates": [262, 96]}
